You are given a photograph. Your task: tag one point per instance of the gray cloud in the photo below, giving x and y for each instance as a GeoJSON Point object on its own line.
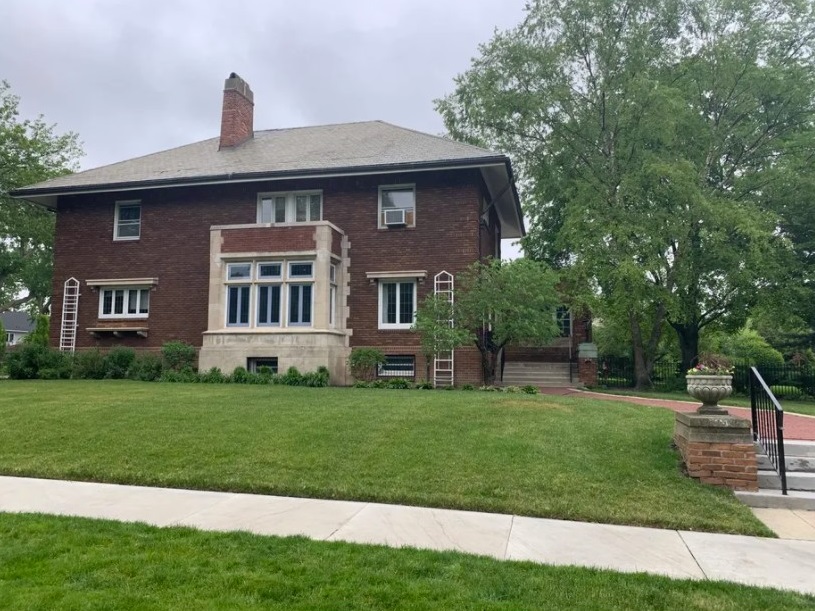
{"type": "Point", "coordinates": [132, 78]}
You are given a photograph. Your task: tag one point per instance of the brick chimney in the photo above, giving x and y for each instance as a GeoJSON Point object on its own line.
{"type": "Point", "coordinates": [237, 117]}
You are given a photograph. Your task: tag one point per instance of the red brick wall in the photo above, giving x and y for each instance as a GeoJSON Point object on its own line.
{"type": "Point", "coordinates": [174, 247]}
{"type": "Point", "coordinates": [730, 465]}
{"type": "Point", "coordinates": [264, 239]}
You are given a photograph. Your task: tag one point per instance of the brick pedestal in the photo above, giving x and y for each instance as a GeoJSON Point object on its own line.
{"type": "Point", "coordinates": [587, 372]}
{"type": "Point", "coordinates": [717, 450]}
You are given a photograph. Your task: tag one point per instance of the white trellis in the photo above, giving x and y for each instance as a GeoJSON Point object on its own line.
{"type": "Point", "coordinates": [443, 364]}
{"type": "Point", "coordinates": [70, 309]}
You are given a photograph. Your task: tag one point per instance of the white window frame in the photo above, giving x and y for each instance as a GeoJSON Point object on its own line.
{"type": "Point", "coordinates": [297, 279]}
{"type": "Point", "coordinates": [300, 286]}
{"type": "Point", "coordinates": [238, 285]}
{"type": "Point", "coordinates": [291, 210]}
{"type": "Point", "coordinates": [399, 187]}
{"type": "Point", "coordinates": [272, 279]}
{"type": "Point", "coordinates": [332, 296]}
{"type": "Point", "coordinates": [281, 304]}
{"type": "Point", "coordinates": [381, 313]}
{"type": "Point", "coordinates": [125, 301]}
{"type": "Point", "coordinates": [117, 208]}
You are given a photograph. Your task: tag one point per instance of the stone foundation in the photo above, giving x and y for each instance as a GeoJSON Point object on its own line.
{"type": "Point", "coordinates": [717, 450]}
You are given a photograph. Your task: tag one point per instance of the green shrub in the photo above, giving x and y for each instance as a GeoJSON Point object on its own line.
{"type": "Point", "coordinates": [292, 377]}
{"type": "Point", "coordinates": [118, 362]}
{"type": "Point", "coordinates": [425, 385]}
{"type": "Point", "coordinates": [90, 365]}
{"type": "Point", "coordinates": [146, 368]}
{"type": "Point", "coordinates": [178, 356]}
{"type": "Point", "coordinates": [398, 383]}
{"type": "Point", "coordinates": [315, 379]}
{"type": "Point", "coordinates": [786, 392]}
{"type": "Point", "coordinates": [511, 389]}
{"type": "Point", "coordinates": [468, 387]}
{"type": "Point", "coordinates": [362, 384]}
{"type": "Point", "coordinates": [489, 388]}
{"type": "Point", "coordinates": [379, 384]}
{"type": "Point", "coordinates": [214, 376]}
{"type": "Point", "coordinates": [29, 360]}
{"type": "Point", "coordinates": [39, 336]}
{"type": "Point", "coordinates": [2, 342]}
{"type": "Point", "coordinates": [530, 390]}
{"type": "Point", "coordinates": [185, 375]}
{"type": "Point", "coordinates": [240, 376]}
{"type": "Point", "coordinates": [363, 363]}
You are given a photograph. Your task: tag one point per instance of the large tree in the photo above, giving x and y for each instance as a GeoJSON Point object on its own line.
{"type": "Point", "coordinates": [496, 302]}
{"type": "Point", "coordinates": [649, 136]}
{"type": "Point", "coordinates": [30, 151]}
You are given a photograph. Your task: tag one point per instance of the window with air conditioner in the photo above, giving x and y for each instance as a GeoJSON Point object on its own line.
{"type": "Point", "coordinates": [397, 206]}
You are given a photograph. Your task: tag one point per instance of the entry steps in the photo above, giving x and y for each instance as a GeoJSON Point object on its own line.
{"type": "Point", "coordinates": [537, 374]}
{"type": "Point", "coordinates": [800, 461]}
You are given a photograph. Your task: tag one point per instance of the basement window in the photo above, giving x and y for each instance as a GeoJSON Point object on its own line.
{"type": "Point", "coordinates": [398, 366]}
{"type": "Point", "coordinates": [255, 363]}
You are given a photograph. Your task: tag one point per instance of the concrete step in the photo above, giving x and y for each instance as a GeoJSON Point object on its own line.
{"type": "Point", "coordinates": [794, 463]}
{"type": "Point", "coordinates": [541, 380]}
{"type": "Point", "coordinates": [773, 499]}
{"type": "Point", "coordinates": [537, 367]}
{"type": "Point", "coordinates": [796, 480]}
{"type": "Point", "coordinates": [801, 449]}
{"type": "Point", "coordinates": [535, 376]}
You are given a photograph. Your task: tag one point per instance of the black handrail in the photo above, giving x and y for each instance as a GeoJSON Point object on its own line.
{"type": "Point", "coordinates": [768, 424]}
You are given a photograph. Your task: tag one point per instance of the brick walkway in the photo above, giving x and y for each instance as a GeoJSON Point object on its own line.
{"type": "Point", "coordinates": [796, 426]}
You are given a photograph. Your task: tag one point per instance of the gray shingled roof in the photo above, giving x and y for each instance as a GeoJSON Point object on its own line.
{"type": "Point", "coordinates": [278, 151]}
{"type": "Point", "coordinates": [16, 321]}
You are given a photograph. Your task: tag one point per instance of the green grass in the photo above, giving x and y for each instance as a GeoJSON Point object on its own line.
{"type": "Point", "coordinates": [794, 407]}
{"type": "Point", "coordinates": [49, 562]}
{"type": "Point", "coordinates": [558, 457]}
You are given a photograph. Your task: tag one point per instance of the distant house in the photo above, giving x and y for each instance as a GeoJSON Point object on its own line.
{"type": "Point", "coordinates": [278, 248]}
{"type": "Point", "coordinates": [17, 326]}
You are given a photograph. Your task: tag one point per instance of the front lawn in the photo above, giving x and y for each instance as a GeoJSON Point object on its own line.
{"type": "Point", "coordinates": [558, 457]}
{"type": "Point", "coordinates": [51, 562]}
{"type": "Point", "coordinates": [793, 407]}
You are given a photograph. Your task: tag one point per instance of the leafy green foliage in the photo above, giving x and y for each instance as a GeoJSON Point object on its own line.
{"type": "Point", "coordinates": [363, 363]}
{"type": "Point", "coordinates": [90, 365]}
{"type": "Point", "coordinates": [436, 333]}
{"type": "Point", "coordinates": [40, 334]}
{"type": "Point", "coordinates": [31, 360]}
{"type": "Point", "coordinates": [657, 143]}
{"type": "Point", "coordinates": [30, 151]}
{"type": "Point", "coordinates": [2, 342]}
{"type": "Point", "coordinates": [147, 367]}
{"type": "Point", "coordinates": [786, 392]}
{"type": "Point", "coordinates": [747, 345]}
{"type": "Point", "coordinates": [500, 302]}
{"type": "Point", "coordinates": [118, 362]}
{"type": "Point", "coordinates": [178, 356]}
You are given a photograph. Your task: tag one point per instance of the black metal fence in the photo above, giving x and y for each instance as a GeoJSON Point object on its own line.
{"type": "Point", "coordinates": [768, 423]}
{"type": "Point", "coordinates": [788, 381]}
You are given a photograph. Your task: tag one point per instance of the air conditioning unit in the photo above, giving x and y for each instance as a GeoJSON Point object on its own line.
{"type": "Point", "coordinates": [395, 217]}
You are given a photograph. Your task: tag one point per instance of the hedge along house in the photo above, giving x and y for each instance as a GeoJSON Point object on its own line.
{"type": "Point", "coordinates": [283, 247]}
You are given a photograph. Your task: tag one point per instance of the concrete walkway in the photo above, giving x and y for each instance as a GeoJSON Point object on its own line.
{"type": "Point", "coordinates": [785, 564]}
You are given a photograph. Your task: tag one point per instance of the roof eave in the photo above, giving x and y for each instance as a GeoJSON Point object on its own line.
{"type": "Point", "coordinates": [47, 196]}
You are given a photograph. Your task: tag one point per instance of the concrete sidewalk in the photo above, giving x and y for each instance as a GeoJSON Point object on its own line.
{"type": "Point", "coordinates": [786, 564]}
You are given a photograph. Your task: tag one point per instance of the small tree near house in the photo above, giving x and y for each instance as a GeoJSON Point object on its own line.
{"type": "Point", "coordinates": [436, 333]}
{"type": "Point", "coordinates": [496, 303]}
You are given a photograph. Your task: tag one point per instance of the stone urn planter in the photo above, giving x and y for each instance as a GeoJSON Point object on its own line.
{"type": "Point", "coordinates": [710, 389]}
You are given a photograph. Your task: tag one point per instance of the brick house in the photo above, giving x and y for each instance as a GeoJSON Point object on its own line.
{"type": "Point", "coordinates": [283, 247]}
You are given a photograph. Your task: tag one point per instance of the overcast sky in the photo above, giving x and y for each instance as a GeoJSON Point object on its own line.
{"type": "Point", "coordinates": [135, 77]}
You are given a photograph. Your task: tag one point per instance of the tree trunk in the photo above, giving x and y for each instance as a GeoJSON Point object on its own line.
{"type": "Point", "coordinates": [688, 335]}
{"type": "Point", "coordinates": [645, 353]}
{"type": "Point", "coordinates": [489, 356]}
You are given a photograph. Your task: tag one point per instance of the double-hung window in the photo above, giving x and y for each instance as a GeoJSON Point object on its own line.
{"type": "Point", "coordinates": [127, 220]}
{"type": "Point", "coordinates": [563, 317]}
{"type": "Point", "coordinates": [124, 302]}
{"type": "Point", "coordinates": [269, 294]}
{"type": "Point", "coordinates": [296, 207]}
{"type": "Point", "coordinates": [239, 278]}
{"type": "Point", "coordinates": [397, 206]}
{"type": "Point", "coordinates": [300, 293]}
{"type": "Point", "coordinates": [397, 304]}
